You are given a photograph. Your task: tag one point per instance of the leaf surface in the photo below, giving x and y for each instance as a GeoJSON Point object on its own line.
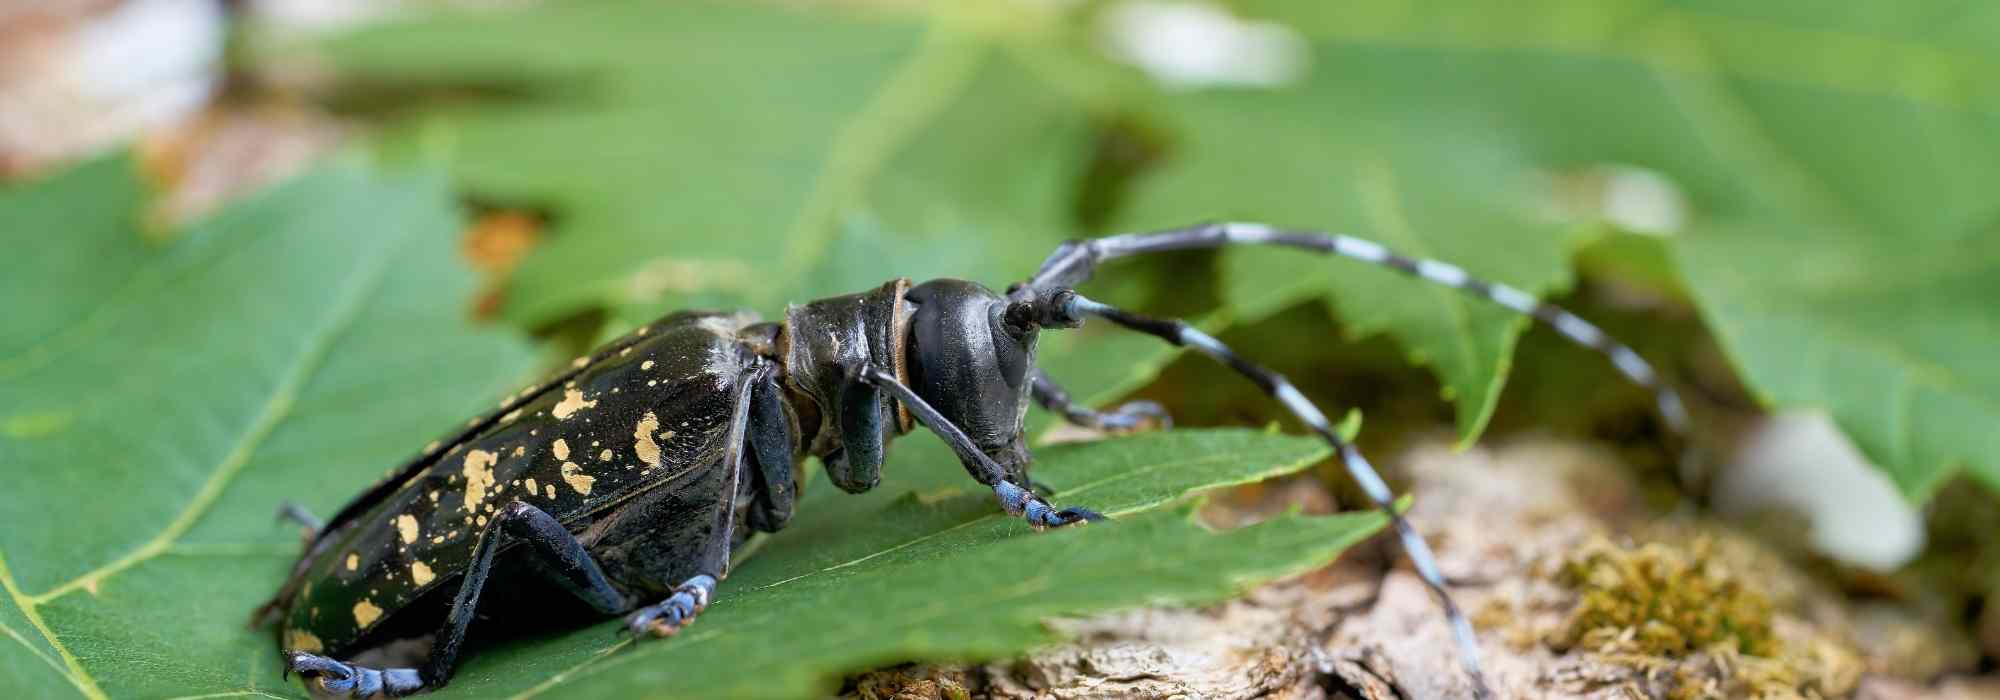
{"type": "Point", "coordinates": [745, 155]}
{"type": "Point", "coordinates": [164, 398]}
{"type": "Point", "coordinates": [1892, 335]}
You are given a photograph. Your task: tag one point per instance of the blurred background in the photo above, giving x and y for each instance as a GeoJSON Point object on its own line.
{"type": "Point", "coordinates": [1787, 206]}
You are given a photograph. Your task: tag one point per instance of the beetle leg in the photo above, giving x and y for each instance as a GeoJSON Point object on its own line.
{"type": "Point", "coordinates": [667, 617]}
{"type": "Point", "coordinates": [770, 434]}
{"type": "Point", "coordinates": [563, 560]}
{"type": "Point", "coordinates": [337, 679]}
{"type": "Point", "coordinates": [1128, 417]}
{"type": "Point", "coordinates": [1014, 498]}
{"type": "Point", "coordinates": [1280, 388]}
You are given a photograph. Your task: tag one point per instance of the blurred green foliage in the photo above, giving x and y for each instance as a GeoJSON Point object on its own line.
{"type": "Point", "coordinates": [1832, 163]}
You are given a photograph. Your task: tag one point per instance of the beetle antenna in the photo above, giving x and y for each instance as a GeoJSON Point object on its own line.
{"type": "Point", "coordinates": [1180, 333]}
{"type": "Point", "coordinates": [1076, 261]}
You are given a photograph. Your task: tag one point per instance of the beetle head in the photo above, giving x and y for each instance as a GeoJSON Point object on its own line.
{"type": "Point", "coordinates": [970, 353]}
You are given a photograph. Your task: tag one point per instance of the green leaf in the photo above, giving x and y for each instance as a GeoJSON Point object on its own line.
{"type": "Point", "coordinates": [1834, 160]}
{"type": "Point", "coordinates": [160, 399]}
{"type": "Point", "coordinates": [1893, 335]}
{"type": "Point", "coordinates": [717, 155]}
{"type": "Point", "coordinates": [1305, 158]}
{"type": "Point", "coordinates": [299, 342]}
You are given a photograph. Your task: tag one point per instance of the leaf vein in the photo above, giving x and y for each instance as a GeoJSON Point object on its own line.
{"type": "Point", "coordinates": [346, 309]}
{"type": "Point", "coordinates": [77, 675]}
{"type": "Point", "coordinates": [935, 72]}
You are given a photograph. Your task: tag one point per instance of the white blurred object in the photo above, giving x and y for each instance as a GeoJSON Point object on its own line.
{"type": "Point", "coordinates": [1643, 201]}
{"type": "Point", "coordinates": [1195, 45]}
{"type": "Point", "coordinates": [1635, 199]}
{"type": "Point", "coordinates": [306, 16]}
{"type": "Point", "coordinates": [79, 77]}
{"type": "Point", "coordinates": [1801, 461]}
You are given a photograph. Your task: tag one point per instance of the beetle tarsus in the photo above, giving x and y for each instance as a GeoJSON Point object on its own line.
{"type": "Point", "coordinates": [666, 618]}
{"type": "Point", "coordinates": [1021, 502]}
{"type": "Point", "coordinates": [329, 677]}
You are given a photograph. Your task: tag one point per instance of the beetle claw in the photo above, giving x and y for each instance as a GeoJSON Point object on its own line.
{"type": "Point", "coordinates": [1072, 516]}
{"type": "Point", "coordinates": [331, 676]}
{"type": "Point", "coordinates": [668, 617]}
{"type": "Point", "coordinates": [339, 679]}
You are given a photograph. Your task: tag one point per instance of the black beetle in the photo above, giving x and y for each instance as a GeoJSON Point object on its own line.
{"type": "Point", "coordinates": [625, 480]}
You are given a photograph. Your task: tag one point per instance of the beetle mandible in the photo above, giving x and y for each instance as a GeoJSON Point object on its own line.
{"type": "Point", "coordinates": [625, 480]}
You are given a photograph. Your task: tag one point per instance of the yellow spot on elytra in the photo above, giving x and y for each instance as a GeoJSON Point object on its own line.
{"type": "Point", "coordinates": [406, 524]}
{"type": "Point", "coordinates": [478, 471]}
{"type": "Point", "coordinates": [420, 573]}
{"type": "Point", "coordinates": [604, 456]}
{"type": "Point", "coordinates": [365, 613]}
{"type": "Point", "coordinates": [520, 450]}
{"type": "Point", "coordinates": [642, 439]}
{"type": "Point", "coordinates": [482, 521]}
{"type": "Point", "coordinates": [571, 403]}
{"type": "Point", "coordinates": [301, 640]}
{"type": "Point", "coordinates": [532, 488]}
{"type": "Point", "coordinates": [562, 448]}
{"type": "Point", "coordinates": [438, 539]}
{"type": "Point", "coordinates": [353, 561]}
{"type": "Point", "coordinates": [511, 415]}
{"type": "Point", "coordinates": [434, 496]}
{"type": "Point", "coordinates": [576, 478]}
{"type": "Point", "coordinates": [551, 490]}
{"type": "Point", "coordinates": [626, 351]}
{"type": "Point", "coordinates": [646, 365]}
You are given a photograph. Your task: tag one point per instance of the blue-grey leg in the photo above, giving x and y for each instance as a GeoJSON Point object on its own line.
{"type": "Point", "coordinates": [1180, 333]}
{"type": "Point", "coordinates": [1125, 418]}
{"type": "Point", "coordinates": [1016, 499]}
{"type": "Point", "coordinates": [562, 559]}
{"type": "Point", "coordinates": [667, 617]}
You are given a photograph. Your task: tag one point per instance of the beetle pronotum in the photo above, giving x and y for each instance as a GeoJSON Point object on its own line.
{"type": "Point", "coordinates": [625, 480]}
